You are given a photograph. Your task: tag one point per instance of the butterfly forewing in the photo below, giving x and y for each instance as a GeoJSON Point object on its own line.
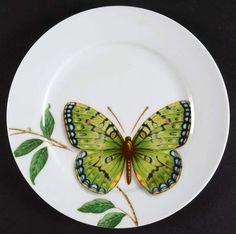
{"type": "Point", "coordinates": [156, 163]}
{"type": "Point", "coordinates": [167, 127]}
{"type": "Point", "coordinates": [100, 162]}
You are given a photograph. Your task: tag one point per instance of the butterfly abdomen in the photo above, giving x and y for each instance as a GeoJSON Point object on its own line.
{"type": "Point", "coordinates": [128, 152]}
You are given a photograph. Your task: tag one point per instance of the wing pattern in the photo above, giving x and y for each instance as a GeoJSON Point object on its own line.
{"type": "Point", "coordinates": [100, 162]}
{"type": "Point", "coordinates": [157, 164]}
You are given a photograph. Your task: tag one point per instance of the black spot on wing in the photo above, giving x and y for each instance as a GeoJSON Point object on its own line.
{"type": "Point", "coordinates": [101, 170]}
{"type": "Point", "coordinates": [81, 174]}
{"type": "Point", "coordinates": [185, 128]}
{"type": "Point", "coordinates": [70, 127]}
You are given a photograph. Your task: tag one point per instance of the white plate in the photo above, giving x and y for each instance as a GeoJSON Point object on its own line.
{"type": "Point", "coordinates": [126, 58]}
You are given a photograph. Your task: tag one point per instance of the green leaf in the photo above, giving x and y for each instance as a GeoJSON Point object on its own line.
{"type": "Point", "coordinates": [98, 205]}
{"type": "Point", "coordinates": [111, 220]}
{"type": "Point", "coordinates": [47, 123]}
{"type": "Point", "coordinates": [27, 146]}
{"type": "Point", "coordinates": [37, 163]}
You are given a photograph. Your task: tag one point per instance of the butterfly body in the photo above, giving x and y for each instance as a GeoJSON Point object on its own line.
{"type": "Point", "coordinates": [104, 153]}
{"type": "Point", "coordinates": [128, 151]}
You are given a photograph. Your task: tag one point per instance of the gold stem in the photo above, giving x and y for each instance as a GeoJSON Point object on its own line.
{"type": "Point", "coordinates": [50, 141]}
{"type": "Point", "coordinates": [56, 143]}
{"type": "Point", "coordinates": [135, 220]}
{"type": "Point", "coordinates": [127, 214]}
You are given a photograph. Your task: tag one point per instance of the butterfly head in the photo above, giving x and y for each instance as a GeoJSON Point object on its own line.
{"type": "Point", "coordinates": [127, 139]}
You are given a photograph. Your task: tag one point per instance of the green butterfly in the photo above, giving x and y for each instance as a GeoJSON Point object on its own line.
{"type": "Point", "coordinates": [151, 152]}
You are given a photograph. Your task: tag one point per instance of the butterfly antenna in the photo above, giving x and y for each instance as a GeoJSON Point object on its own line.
{"type": "Point", "coordinates": [146, 108]}
{"type": "Point", "coordinates": [109, 108]}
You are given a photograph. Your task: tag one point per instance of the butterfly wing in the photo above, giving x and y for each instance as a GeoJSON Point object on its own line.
{"type": "Point", "coordinates": [100, 163]}
{"type": "Point", "coordinates": [157, 164]}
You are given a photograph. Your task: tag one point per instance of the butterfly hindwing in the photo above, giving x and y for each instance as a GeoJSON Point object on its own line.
{"type": "Point", "coordinates": [100, 162]}
{"type": "Point", "coordinates": [99, 171]}
{"type": "Point", "coordinates": [156, 163]}
{"type": "Point", "coordinates": [157, 170]}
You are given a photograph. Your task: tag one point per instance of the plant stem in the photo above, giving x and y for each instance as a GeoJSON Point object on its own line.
{"type": "Point", "coordinates": [58, 144]}
{"type": "Point", "coordinates": [134, 219]}
{"type": "Point", "coordinates": [127, 215]}
{"type": "Point", "coordinates": [48, 140]}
